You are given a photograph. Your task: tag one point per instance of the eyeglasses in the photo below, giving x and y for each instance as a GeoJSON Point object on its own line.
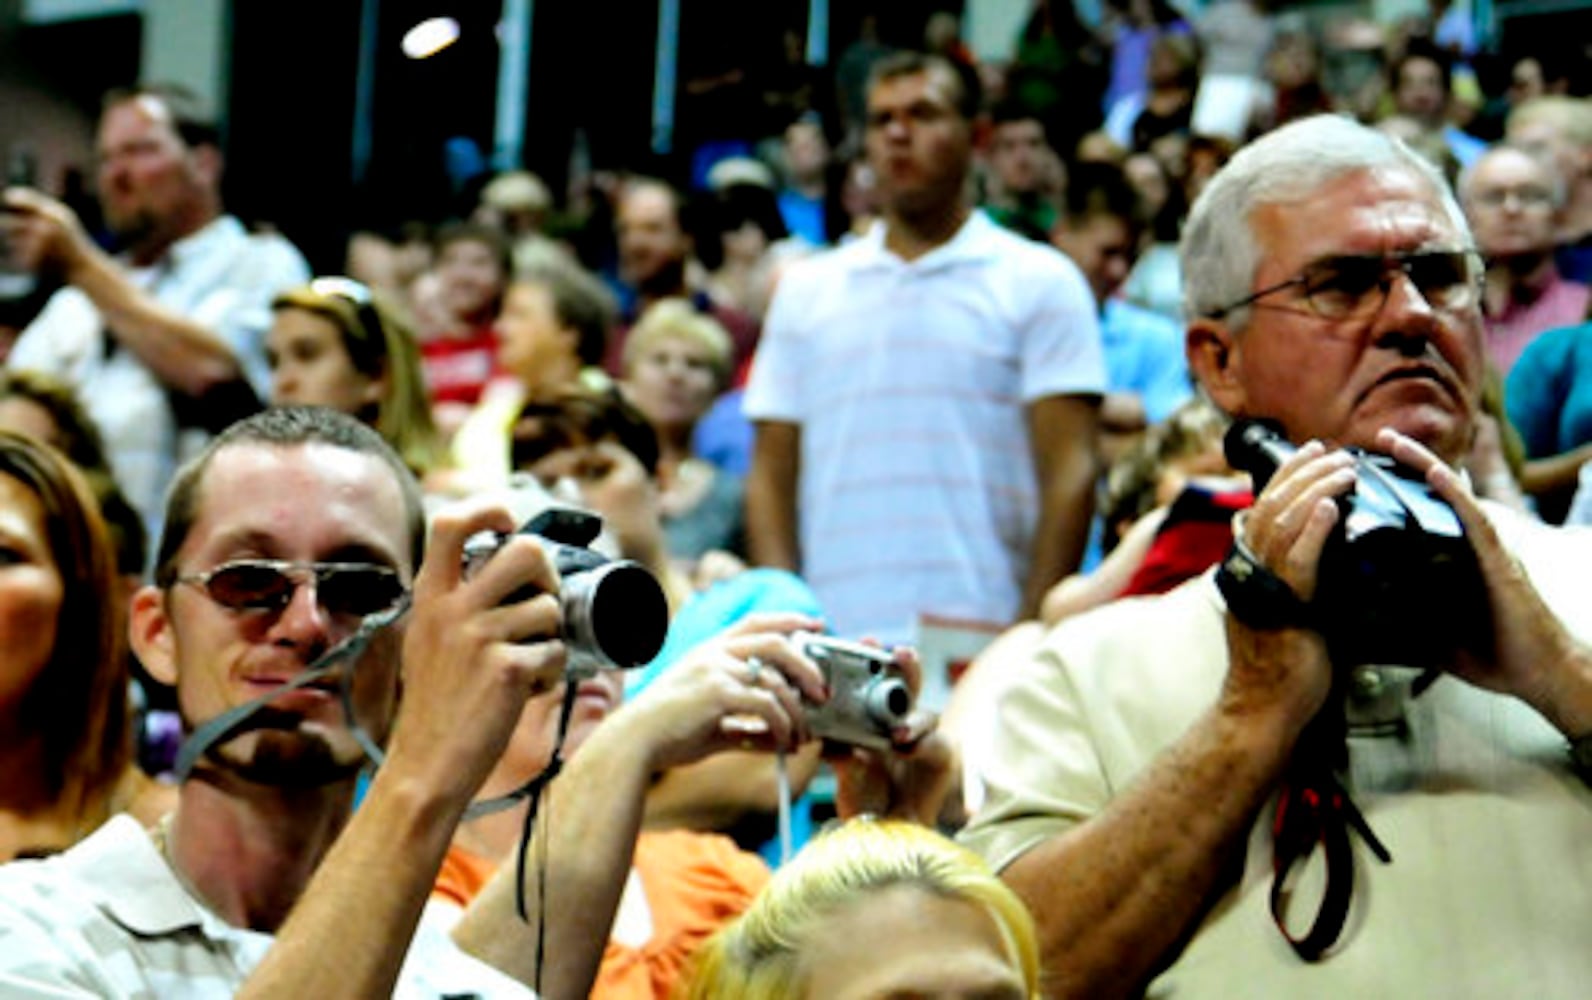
{"type": "Point", "coordinates": [1356, 287]}
{"type": "Point", "coordinates": [356, 294]}
{"type": "Point", "coordinates": [1526, 197]}
{"type": "Point", "coordinates": [351, 590]}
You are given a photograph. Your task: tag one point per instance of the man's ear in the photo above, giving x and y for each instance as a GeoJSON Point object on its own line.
{"type": "Point", "coordinates": [149, 633]}
{"type": "Point", "coordinates": [207, 161]}
{"type": "Point", "coordinates": [1215, 359]}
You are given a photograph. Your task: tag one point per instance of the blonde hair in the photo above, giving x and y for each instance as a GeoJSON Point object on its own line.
{"type": "Point", "coordinates": [758, 956]}
{"type": "Point", "coordinates": [678, 318]}
{"type": "Point", "coordinates": [1571, 117]}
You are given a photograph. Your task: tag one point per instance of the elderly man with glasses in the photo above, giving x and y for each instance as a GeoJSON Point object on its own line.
{"type": "Point", "coordinates": [1514, 202]}
{"type": "Point", "coordinates": [1174, 776]}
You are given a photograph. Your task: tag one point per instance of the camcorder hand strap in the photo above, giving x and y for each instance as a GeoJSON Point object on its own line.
{"type": "Point", "coordinates": [1314, 808]}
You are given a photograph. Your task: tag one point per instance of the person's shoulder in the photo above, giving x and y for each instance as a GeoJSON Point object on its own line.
{"type": "Point", "coordinates": [1144, 647]}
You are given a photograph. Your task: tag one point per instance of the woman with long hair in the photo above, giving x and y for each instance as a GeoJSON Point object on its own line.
{"type": "Point", "coordinates": [65, 741]}
{"type": "Point", "coordinates": [333, 343]}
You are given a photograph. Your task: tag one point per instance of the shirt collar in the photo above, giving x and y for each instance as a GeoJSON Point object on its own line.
{"type": "Point", "coordinates": [203, 241]}
{"type": "Point", "coordinates": [976, 240]}
{"type": "Point", "coordinates": [131, 881]}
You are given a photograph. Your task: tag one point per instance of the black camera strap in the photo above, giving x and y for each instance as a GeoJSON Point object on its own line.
{"type": "Point", "coordinates": [1314, 808]}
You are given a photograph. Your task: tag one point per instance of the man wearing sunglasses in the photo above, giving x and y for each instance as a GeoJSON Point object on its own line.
{"type": "Point", "coordinates": [293, 533]}
{"type": "Point", "coordinates": [1193, 797]}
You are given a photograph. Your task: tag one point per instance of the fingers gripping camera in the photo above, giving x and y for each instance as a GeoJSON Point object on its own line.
{"type": "Point", "coordinates": [615, 615]}
{"type": "Point", "coordinates": [868, 697]}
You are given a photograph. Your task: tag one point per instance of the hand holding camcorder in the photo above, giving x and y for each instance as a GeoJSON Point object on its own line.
{"type": "Point", "coordinates": [1397, 582]}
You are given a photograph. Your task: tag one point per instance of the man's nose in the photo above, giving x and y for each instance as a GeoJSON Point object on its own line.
{"type": "Point", "coordinates": [1407, 321]}
{"type": "Point", "coordinates": [303, 623]}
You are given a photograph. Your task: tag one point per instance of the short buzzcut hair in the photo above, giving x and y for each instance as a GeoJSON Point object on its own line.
{"type": "Point", "coordinates": [1219, 252]}
{"type": "Point", "coordinates": [283, 427]}
{"type": "Point", "coordinates": [967, 98]}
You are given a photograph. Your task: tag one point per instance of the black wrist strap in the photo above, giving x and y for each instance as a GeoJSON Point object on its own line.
{"type": "Point", "coordinates": [1255, 595]}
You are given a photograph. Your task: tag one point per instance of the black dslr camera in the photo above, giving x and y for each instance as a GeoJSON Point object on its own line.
{"type": "Point", "coordinates": [867, 695]}
{"type": "Point", "coordinates": [1398, 581]}
{"type": "Point", "coordinates": [615, 613]}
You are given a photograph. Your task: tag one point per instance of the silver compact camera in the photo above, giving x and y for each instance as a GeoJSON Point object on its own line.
{"type": "Point", "coordinates": [868, 697]}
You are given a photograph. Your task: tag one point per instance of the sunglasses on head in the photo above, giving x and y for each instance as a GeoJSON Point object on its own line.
{"type": "Point", "coordinates": [351, 590]}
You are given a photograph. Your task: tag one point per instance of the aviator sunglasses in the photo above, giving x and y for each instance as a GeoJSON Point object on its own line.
{"type": "Point", "coordinates": [344, 589]}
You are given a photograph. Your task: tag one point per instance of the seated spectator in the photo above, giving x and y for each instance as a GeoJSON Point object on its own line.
{"type": "Point", "coordinates": [1548, 398]}
{"type": "Point", "coordinates": [1421, 81]}
{"type": "Point", "coordinates": [598, 451]}
{"type": "Point", "coordinates": [1143, 526]}
{"type": "Point", "coordinates": [1167, 107]}
{"type": "Point", "coordinates": [472, 267]}
{"type": "Point", "coordinates": [743, 245]}
{"type": "Point", "coordinates": [803, 201]}
{"type": "Point", "coordinates": [44, 408]}
{"type": "Point", "coordinates": [683, 884]}
{"type": "Point", "coordinates": [1156, 281]}
{"type": "Point", "coordinates": [333, 343]}
{"type": "Point", "coordinates": [283, 538]}
{"type": "Point", "coordinates": [67, 746]}
{"type": "Point", "coordinates": [1146, 376]}
{"type": "Point", "coordinates": [656, 258]}
{"type": "Point", "coordinates": [552, 336]}
{"type": "Point", "coordinates": [1025, 177]}
{"type": "Point", "coordinates": [876, 909]}
{"type": "Point", "coordinates": [676, 362]}
{"type": "Point", "coordinates": [1558, 128]}
{"type": "Point", "coordinates": [1511, 201]}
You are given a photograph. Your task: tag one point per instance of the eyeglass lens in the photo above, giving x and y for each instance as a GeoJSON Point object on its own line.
{"type": "Point", "coordinates": [1352, 286]}
{"type": "Point", "coordinates": [341, 590]}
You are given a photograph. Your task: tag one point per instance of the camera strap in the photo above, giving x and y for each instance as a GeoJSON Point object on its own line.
{"type": "Point", "coordinates": [1313, 808]}
{"type": "Point", "coordinates": [237, 719]}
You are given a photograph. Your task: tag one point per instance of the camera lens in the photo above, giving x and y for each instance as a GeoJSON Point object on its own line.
{"type": "Point", "coordinates": [618, 611]}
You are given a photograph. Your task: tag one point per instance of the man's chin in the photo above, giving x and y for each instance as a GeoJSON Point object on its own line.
{"type": "Point", "coordinates": [304, 757]}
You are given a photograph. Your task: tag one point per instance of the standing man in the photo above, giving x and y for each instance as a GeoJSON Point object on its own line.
{"type": "Point", "coordinates": [925, 395]}
{"type": "Point", "coordinates": [165, 343]}
{"type": "Point", "coordinates": [1200, 793]}
{"type": "Point", "coordinates": [288, 530]}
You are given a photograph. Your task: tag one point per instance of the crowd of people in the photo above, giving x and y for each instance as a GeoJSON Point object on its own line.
{"type": "Point", "coordinates": [294, 703]}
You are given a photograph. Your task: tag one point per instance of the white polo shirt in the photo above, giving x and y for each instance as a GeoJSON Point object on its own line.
{"type": "Point", "coordinates": [910, 380]}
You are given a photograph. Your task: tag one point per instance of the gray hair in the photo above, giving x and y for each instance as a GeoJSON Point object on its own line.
{"type": "Point", "coordinates": [1220, 254]}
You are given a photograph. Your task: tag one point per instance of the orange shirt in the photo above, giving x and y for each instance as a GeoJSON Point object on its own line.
{"type": "Point", "coordinates": [694, 884]}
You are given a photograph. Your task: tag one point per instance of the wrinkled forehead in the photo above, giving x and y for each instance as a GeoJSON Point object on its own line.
{"type": "Point", "coordinates": [1383, 210]}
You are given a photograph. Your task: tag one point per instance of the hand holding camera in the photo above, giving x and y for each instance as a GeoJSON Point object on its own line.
{"type": "Point", "coordinates": [1354, 545]}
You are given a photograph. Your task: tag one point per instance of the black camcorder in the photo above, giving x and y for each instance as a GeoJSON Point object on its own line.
{"type": "Point", "coordinates": [614, 611]}
{"type": "Point", "coordinates": [1398, 581]}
